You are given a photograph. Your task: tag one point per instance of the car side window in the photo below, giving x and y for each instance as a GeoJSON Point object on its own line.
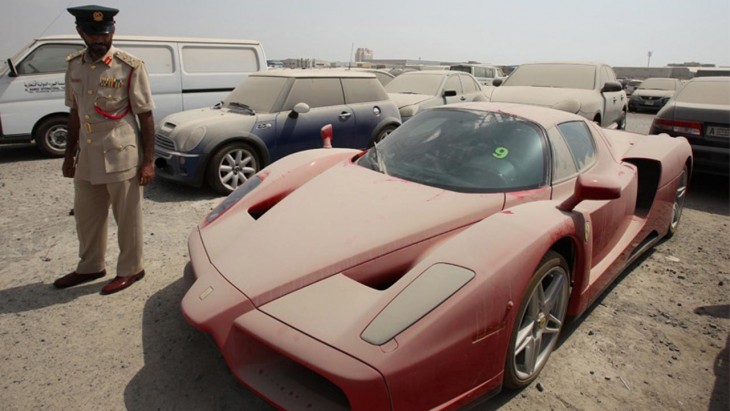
{"type": "Point", "coordinates": [49, 58]}
{"type": "Point", "coordinates": [563, 165]}
{"type": "Point", "coordinates": [469, 85]}
{"type": "Point", "coordinates": [363, 90]}
{"type": "Point", "coordinates": [452, 83]}
{"type": "Point", "coordinates": [580, 142]}
{"type": "Point", "coordinates": [316, 92]}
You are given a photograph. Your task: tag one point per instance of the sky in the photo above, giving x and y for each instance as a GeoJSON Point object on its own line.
{"type": "Point", "coordinates": [508, 32]}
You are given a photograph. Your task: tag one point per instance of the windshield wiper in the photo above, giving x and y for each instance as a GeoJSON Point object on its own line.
{"type": "Point", "coordinates": [242, 106]}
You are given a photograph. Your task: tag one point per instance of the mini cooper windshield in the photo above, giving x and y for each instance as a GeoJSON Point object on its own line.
{"type": "Point", "coordinates": [464, 151]}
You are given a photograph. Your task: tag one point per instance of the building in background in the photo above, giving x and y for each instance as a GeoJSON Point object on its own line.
{"type": "Point", "coordinates": [362, 54]}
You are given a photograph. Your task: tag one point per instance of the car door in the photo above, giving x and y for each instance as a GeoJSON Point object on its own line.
{"type": "Point", "coordinates": [453, 83]}
{"type": "Point", "coordinates": [613, 100]}
{"type": "Point", "coordinates": [297, 132]}
{"type": "Point", "coordinates": [470, 87]}
{"type": "Point", "coordinates": [609, 218]}
{"type": "Point", "coordinates": [366, 97]}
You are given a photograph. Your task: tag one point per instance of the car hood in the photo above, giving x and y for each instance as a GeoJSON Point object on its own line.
{"type": "Point", "coordinates": [403, 100]}
{"type": "Point", "coordinates": [208, 117]}
{"type": "Point", "coordinates": [541, 96]}
{"type": "Point", "coordinates": [344, 217]}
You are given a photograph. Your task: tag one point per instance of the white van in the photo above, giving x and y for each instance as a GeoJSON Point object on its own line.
{"type": "Point", "coordinates": [483, 72]}
{"type": "Point", "coordinates": [185, 73]}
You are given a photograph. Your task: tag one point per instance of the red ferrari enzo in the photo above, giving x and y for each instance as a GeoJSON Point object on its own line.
{"type": "Point", "coordinates": [434, 268]}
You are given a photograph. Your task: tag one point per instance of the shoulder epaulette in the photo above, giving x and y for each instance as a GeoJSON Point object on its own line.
{"type": "Point", "coordinates": [75, 54]}
{"type": "Point", "coordinates": [134, 62]}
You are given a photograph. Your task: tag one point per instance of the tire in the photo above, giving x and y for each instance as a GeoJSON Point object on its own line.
{"type": "Point", "coordinates": [383, 133]}
{"type": "Point", "coordinates": [680, 194]}
{"type": "Point", "coordinates": [50, 136]}
{"type": "Point", "coordinates": [231, 166]}
{"type": "Point", "coordinates": [538, 322]}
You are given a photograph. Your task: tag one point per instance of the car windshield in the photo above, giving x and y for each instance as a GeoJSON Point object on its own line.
{"type": "Point", "coordinates": [464, 151]}
{"type": "Point", "coordinates": [416, 84]}
{"type": "Point", "coordinates": [705, 92]}
{"type": "Point", "coordinates": [580, 76]}
{"type": "Point", "coordinates": [259, 93]}
{"type": "Point", "coordinates": [658, 84]}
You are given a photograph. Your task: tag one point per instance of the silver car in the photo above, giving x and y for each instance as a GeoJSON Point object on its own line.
{"type": "Point", "coordinates": [653, 93]}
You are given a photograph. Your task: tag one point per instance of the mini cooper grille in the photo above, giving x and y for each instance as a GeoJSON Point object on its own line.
{"type": "Point", "coordinates": [164, 143]}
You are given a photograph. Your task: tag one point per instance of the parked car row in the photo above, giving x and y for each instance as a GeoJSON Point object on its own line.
{"type": "Point", "coordinates": [653, 93]}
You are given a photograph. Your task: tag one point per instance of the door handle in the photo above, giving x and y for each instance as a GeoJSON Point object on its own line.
{"type": "Point", "coordinates": [345, 115]}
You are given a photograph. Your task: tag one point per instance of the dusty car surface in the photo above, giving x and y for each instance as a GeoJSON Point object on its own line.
{"type": "Point", "coordinates": [417, 90]}
{"type": "Point", "coordinates": [590, 90]}
{"type": "Point", "coordinates": [700, 111]}
{"type": "Point", "coordinates": [494, 223]}
{"type": "Point", "coordinates": [268, 116]}
{"type": "Point", "coordinates": [653, 93]}
{"type": "Point", "coordinates": [631, 85]}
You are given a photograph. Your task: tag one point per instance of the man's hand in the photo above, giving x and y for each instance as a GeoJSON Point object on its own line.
{"type": "Point", "coordinates": [69, 167]}
{"type": "Point", "coordinates": [146, 173]}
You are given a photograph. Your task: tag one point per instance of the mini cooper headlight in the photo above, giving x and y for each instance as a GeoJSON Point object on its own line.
{"type": "Point", "coordinates": [193, 139]}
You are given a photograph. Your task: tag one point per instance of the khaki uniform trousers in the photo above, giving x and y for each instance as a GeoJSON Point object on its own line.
{"type": "Point", "coordinates": [91, 209]}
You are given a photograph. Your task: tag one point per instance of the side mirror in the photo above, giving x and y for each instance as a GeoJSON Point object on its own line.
{"type": "Point", "coordinates": [299, 108]}
{"type": "Point", "coordinates": [449, 93]}
{"type": "Point", "coordinates": [11, 67]}
{"type": "Point", "coordinates": [611, 86]}
{"type": "Point", "coordinates": [592, 187]}
{"type": "Point", "coordinates": [497, 82]}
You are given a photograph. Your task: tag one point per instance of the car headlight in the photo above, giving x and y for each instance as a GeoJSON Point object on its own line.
{"type": "Point", "coordinates": [193, 139]}
{"type": "Point", "coordinates": [235, 196]}
{"type": "Point", "coordinates": [423, 295]}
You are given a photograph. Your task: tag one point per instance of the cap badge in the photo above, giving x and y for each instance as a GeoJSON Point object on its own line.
{"type": "Point", "coordinates": [98, 16]}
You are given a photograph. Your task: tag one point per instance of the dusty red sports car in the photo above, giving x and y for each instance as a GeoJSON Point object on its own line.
{"type": "Point", "coordinates": [434, 268]}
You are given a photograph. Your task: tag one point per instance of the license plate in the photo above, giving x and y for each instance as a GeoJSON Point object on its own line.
{"type": "Point", "coordinates": [713, 131]}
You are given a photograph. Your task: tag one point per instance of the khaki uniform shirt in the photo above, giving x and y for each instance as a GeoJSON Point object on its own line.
{"type": "Point", "coordinates": [108, 93]}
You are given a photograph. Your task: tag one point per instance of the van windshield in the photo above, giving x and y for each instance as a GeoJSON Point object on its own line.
{"type": "Point", "coordinates": [260, 93]}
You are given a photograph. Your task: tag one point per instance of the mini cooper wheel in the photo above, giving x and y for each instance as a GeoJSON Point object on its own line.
{"type": "Point", "coordinates": [538, 322]}
{"type": "Point", "coordinates": [383, 133]}
{"type": "Point", "coordinates": [231, 166]}
{"type": "Point", "coordinates": [680, 194]}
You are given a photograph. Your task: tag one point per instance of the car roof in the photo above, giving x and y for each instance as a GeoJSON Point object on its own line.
{"type": "Point", "coordinates": [76, 38]}
{"type": "Point", "coordinates": [713, 79]}
{"type": "Point", "coordinates": [312, 73]}
{"type": "Point", "coordinates": [542, 115]}
{"type": "Point", "coordinates": [427, 72]}
{"type": "Point", "coordinates": [585, 63]}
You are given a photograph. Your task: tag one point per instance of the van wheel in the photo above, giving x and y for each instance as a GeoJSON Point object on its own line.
{"type": "Point", "coordinates": [50, 136]}
{"type": "Point", "coordinates": [231, 166]}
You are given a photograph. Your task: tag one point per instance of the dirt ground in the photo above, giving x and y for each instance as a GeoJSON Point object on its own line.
{"type": "Point", "coordinates": [658, 339]}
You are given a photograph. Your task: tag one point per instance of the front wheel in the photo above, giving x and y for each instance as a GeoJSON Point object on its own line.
{"type": "Point", "coordinates": [538, 322]}
{"type": "Point", "coordinates": [231, 166]}
{"type": "Point", "coordinates": [383, 133]}
{"type": "Point", "coordinates": [50, 136]}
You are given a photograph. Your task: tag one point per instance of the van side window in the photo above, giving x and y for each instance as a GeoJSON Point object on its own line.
{"type": "Point", "coordinates": [157, 59]}
{"type": "Point", "coordinates": [49, 58]}
{"type": "Point", "coordinates": [363, 90]}
{"type": "Point", "coordinates": [316, 92]}
{"type": "Point", "coordinates": [197, 59]}
{"type": "Point", "coordinates": [580, 142]}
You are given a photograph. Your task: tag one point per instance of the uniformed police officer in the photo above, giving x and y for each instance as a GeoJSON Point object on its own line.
{"type": "Point", "coordinates": [108, 153]}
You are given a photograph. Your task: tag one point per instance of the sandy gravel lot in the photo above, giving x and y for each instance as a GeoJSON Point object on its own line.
{"type": "Point", "coordinates": [658, 339]}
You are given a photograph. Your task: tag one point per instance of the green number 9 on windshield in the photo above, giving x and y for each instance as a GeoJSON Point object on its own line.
{"type": "Point", "coordinates": [500, 152]}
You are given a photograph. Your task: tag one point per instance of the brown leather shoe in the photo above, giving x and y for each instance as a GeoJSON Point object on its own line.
{"type": "Point", "coordinates": [120, 283]}
{"type": "Point", "coordinates": [74, 278]}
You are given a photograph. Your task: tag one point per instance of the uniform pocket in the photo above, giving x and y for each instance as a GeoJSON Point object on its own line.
{"type": "Point", "coordinates": [120, 149]}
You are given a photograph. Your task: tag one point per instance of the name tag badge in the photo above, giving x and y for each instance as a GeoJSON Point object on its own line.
{"type": "Point", "coordinates": [111, 82]}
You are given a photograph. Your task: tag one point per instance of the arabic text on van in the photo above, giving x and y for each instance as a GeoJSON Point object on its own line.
{"type": "Point", "coordinates": [44, 86]}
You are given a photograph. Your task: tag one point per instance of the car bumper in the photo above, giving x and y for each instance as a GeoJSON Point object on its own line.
{"type": "Point", "coordinates": [642, 104]}
{"type": "Point", "coordinates": [283, 365]}
{"type": "Point", "coordinates": [180, 167]}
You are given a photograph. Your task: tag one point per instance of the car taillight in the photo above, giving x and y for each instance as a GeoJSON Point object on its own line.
{"type": "Point", "coordinates": [693, 128]}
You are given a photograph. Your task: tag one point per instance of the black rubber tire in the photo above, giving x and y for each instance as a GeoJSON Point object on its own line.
{"type": "Point", "coordinates": [243, 162]}
{"type": "Point", "coordinates": [551, 263]}
{"type": "Point", "coordinates": [50, 136]}
{"type": "Point", "coordinates": [383, 133]}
